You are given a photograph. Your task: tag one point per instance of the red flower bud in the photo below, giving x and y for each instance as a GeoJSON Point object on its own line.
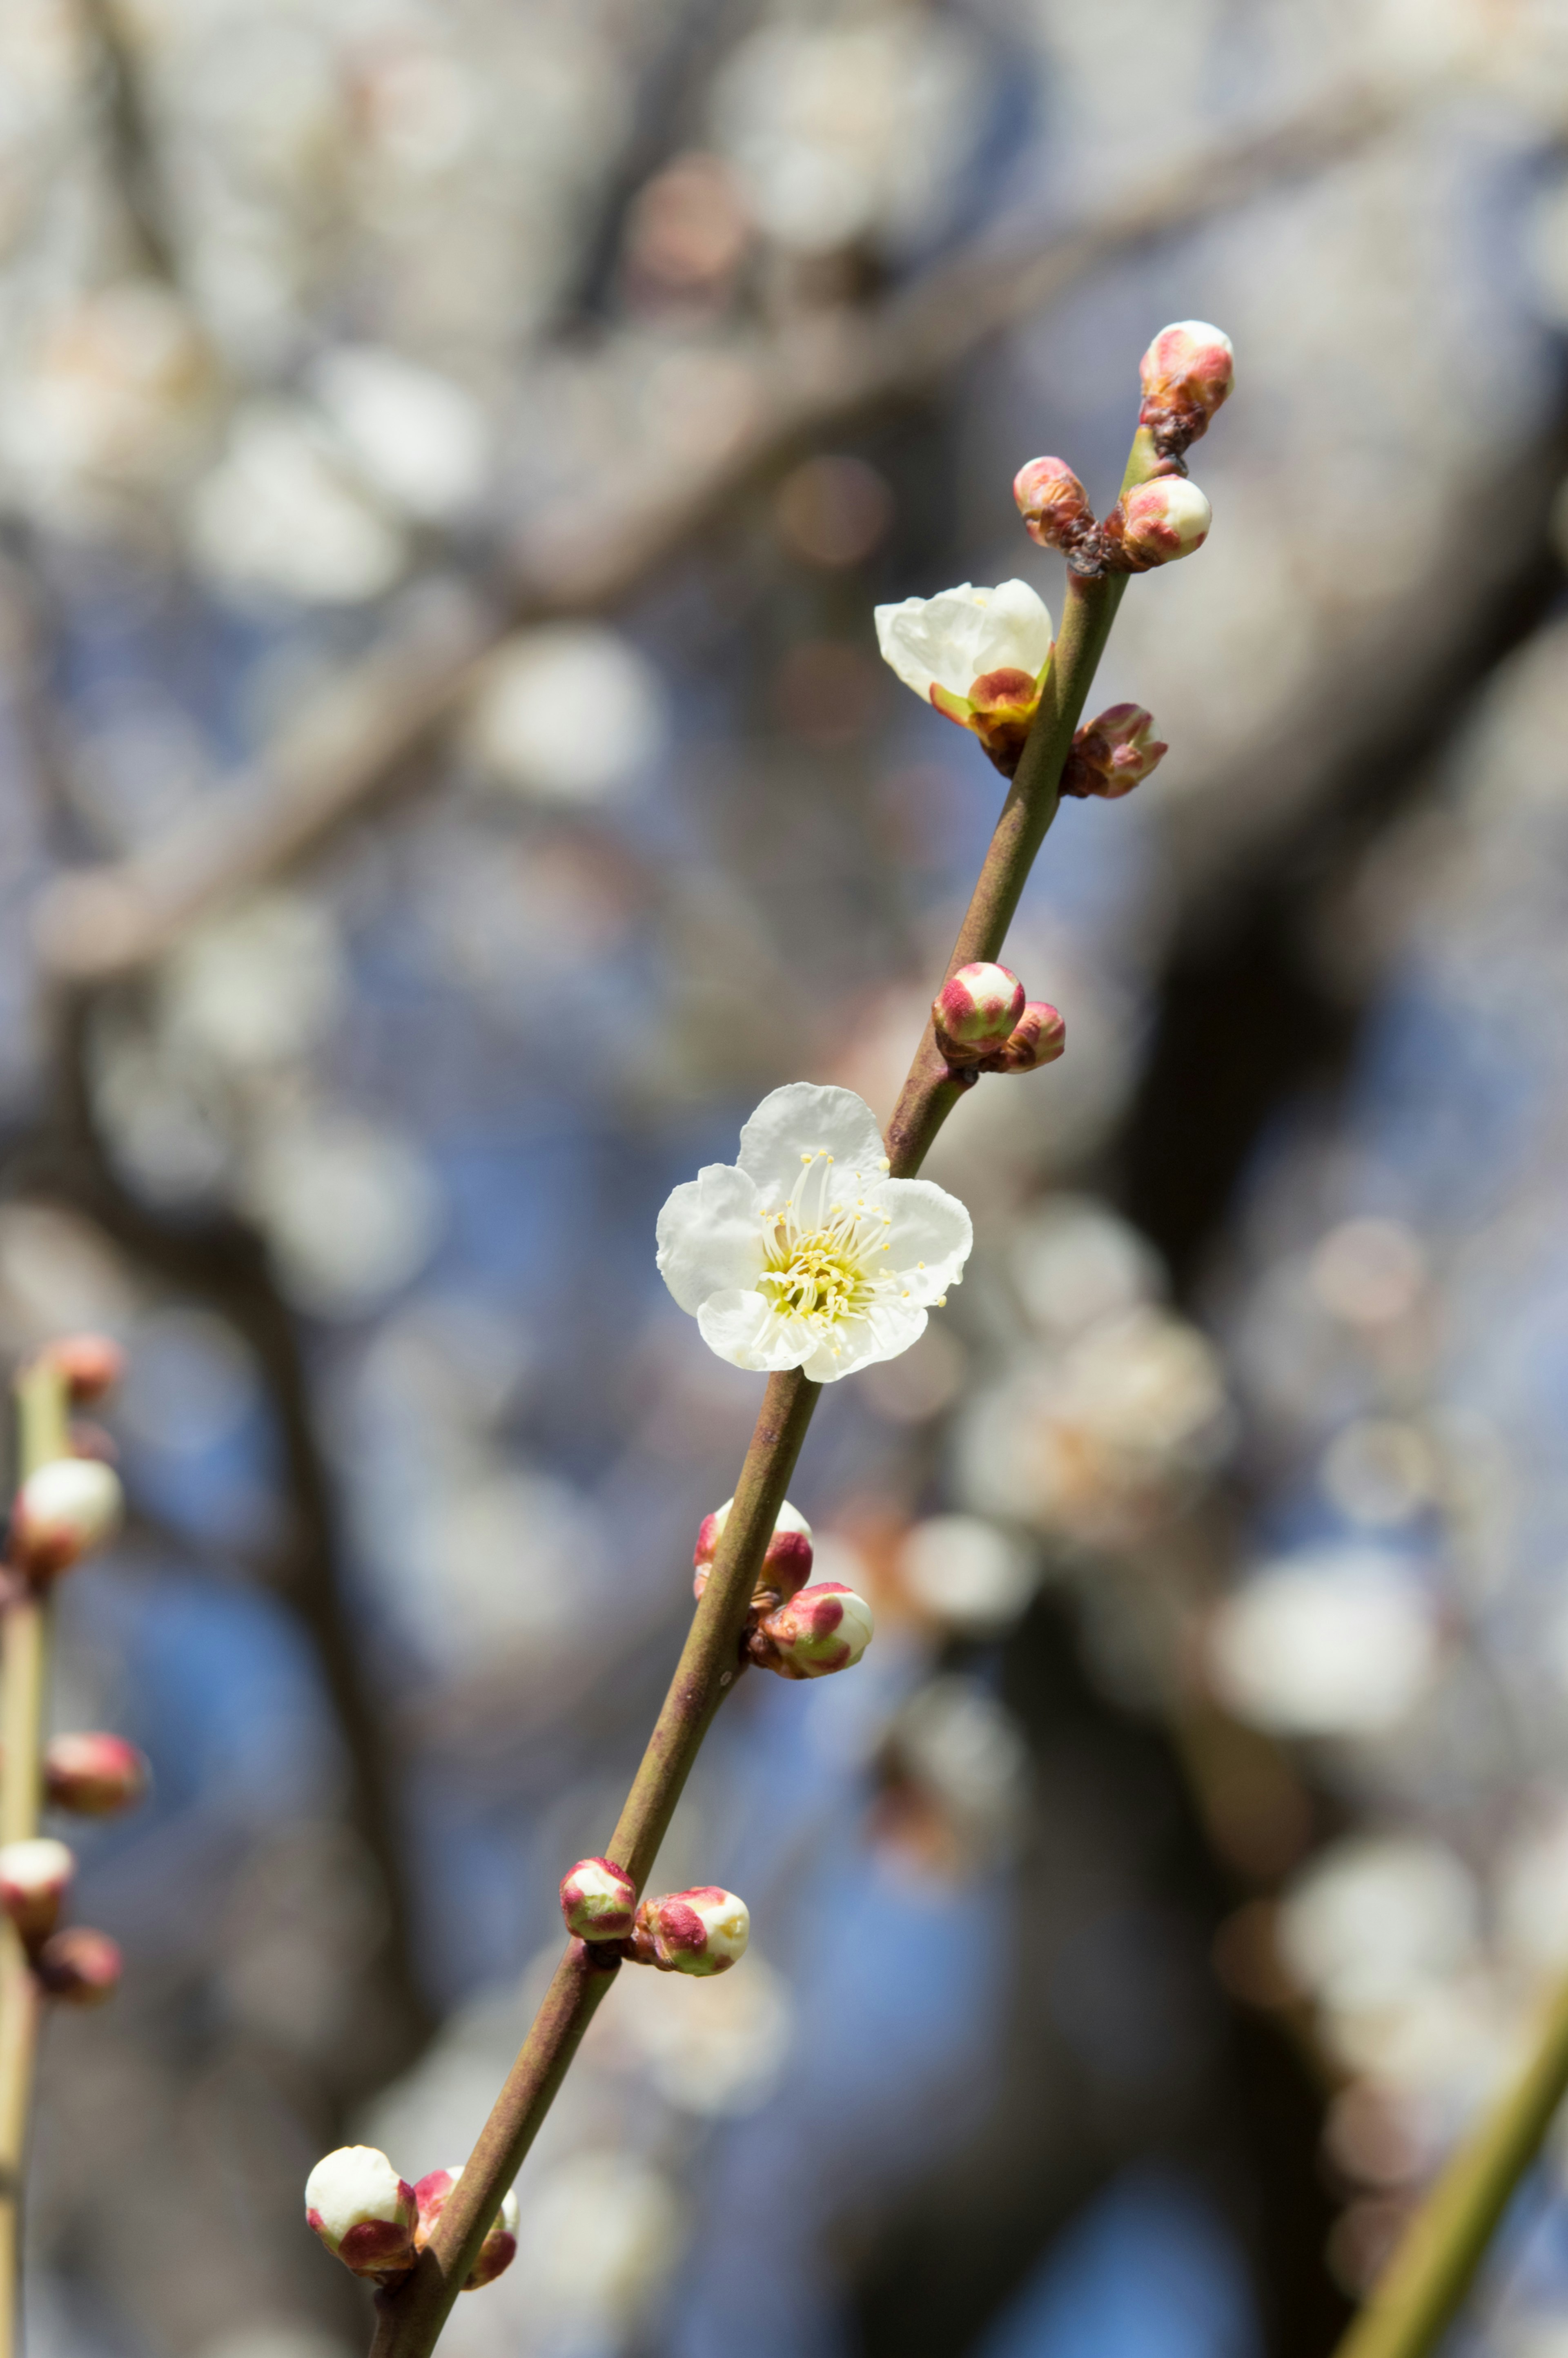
{"type": "Point", "coordinates": [823, 1630]}
{"type": "Point", "coordinates": [90, 1364]}
{"type": "Point", "coordinates": [1156, 523]}
{"type": "Point", "coordinates": [1186, 372]}
{"type": "Point", "coordinates": [786, 1562]}
{"type": "Point", "coordinates": [35, 1876]}
{"type": "Point", "coordinates": [599, 1900]}
{"type": "Point", "coordinates": [499, 2248]}
{"type": "Point", "coordinates": [96, 1776]}
{"type": "Point", "coordinates": [78, 1966]}
{"type": "Point", "coordinates": [1113, 753]}
{"type": "Point", "coordinates": [63, 1512]}
{"type": "Point", "coordinates": [1039, 1039]}
{"type": "Point", "coordinates": [702, 1931]}
{"type": "Point", "coordinates": [363, 2212]}
{"type": "Point", "coordinates": [975, 1011]}
{"type": "Point", "coordinates": [1054, 504]}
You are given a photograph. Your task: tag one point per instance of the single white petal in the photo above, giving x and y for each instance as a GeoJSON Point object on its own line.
{"type": "Point", "coordinates": [1020, 636]}
{"type": "Point", "coordinates": [801, 1121]}
{"type": "Point", "coordinates": [709, 1236]}
{"type": "Point", "coordinates": [953, 639]}
{"type": "Point", "coordinates": [882, 1334]}
{"type": "Point", "coordinates": [745, 1329]}
{"type": "Point", "coordinates": [929, 1226]}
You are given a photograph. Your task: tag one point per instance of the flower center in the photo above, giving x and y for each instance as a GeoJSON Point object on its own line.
{"type": "Point", "coordinates": [815, 1276]}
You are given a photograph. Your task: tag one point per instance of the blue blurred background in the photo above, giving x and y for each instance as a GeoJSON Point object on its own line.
{"type": "Point", "coordinates": [448, 458]}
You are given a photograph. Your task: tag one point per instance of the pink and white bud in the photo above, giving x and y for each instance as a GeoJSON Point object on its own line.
{"type": "Point", "coordinates": [90, 1364]}
{"type": "Point", "coordinates": [1113, 753]}
{"type": "Point", "coordinates": [1159, 521]}
{"type": "Point", "coordinates": [703, 1931]}
{"type": "Point", "coordinates": [786, 1563]}
{"type": "Point", "coordinates": [1186, 372]}
{"type": "Point", "coordinates": [1054, 504]}
{"type": "Point", "coordinates": [35, 1876]}
{"type": "Point", "coordinates": [96, 1776]}
{"type": "Point", "coordinates": [823, 1630]}
{"type": "Point", "coordinates": [599, 1900]}
{"type": "Point", "coordinates": [499, 2248]}
{"type": "Point", "coordinates": [363, 2212]}
{"type": "Point", "coordinates": [63, 1512]}
{"type": "Point", "coordinates": [1039, 1039]}
{"type": "Point", "coordinates": [78, 1966]}
{"type": "Point", "coordinates": [975, 1011]}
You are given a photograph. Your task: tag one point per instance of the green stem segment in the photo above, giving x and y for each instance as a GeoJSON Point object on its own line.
{"type": "Point", "coordinates": [43, 1404]}
{"type": "Point", "coordinates": [1420, 2291]}
{"type": "Point", "coordinates": [412, 2313]}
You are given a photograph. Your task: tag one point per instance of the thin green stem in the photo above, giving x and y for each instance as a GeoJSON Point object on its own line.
{"type": "Point", "coordinates": [410, 2315]}
{"type": "Point", "coordinates": [1420, 2291]}
{"type": "Point", "coordinates": [44, 1432]}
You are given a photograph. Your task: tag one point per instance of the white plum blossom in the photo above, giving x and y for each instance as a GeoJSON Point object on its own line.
{"type": "Point", "coordinates": [979, 656]}
{"type": "Point", "coordinates": [804, 1253]}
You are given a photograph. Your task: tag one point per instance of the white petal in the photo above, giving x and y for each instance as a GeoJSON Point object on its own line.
{"type": "Point", "coordinates": [710, 1238]}
{"type": "Point", "coordinates": [353, 2184]}
{"type": "Point", "coordinates": [1019, 637]}
{"type": "Point", "coordinates": [856, 1343]}
{"type": "Point", "coordinates": [801, 1121]}
{"type": "Point", "coordinates": [745, 1329]}
{"type": "Point", "coordinates": [953, 638]}
{"type": "Point", "coordinates": [928, 1225]}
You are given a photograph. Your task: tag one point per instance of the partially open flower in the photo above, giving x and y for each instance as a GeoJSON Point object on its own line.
{"type": "Point", "coordinates": [786, 1566]}
{"type": "Point", "coordinates": [823, 1630]}
{"type": "Point", "coordinates": [975, 1011]}
{"type": "Point", "coordinates": [363, 2212]}
{"type": "Point", "coordinates": [1054, 505]}
{"type": "Point", "coordinates": [599, 1900]}
{"type": "Point", "coordinates": [979, 656]}
{"type": "Point", "coordinates": [1186, 372]}
{"type": "Point", "coordinates": [96, 1776]}
{"type": "Point", "coordinates": [804, 1253]}
{"type": "Point", "coordinates": [1038, 1038]}
{"type": "Point", "coordinates": [499, 2248]}
{"type": "Point", "coordinates": [1113, 753]}
{"type": "Point", "coordinates": [35, 1876]}
{"type": "Point", "coordinates": [1156, 523]}
{"type": "Point", "coordinates": [62, 1511]}
{"type": "Point", "coordinates": [702, 1931]}
{"type": "Point", "coordinates": [78, 1966]}
{"type": "Point", "coordinates": [90, 1364]}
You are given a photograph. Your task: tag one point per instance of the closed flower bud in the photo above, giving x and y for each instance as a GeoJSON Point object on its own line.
{"type": "Point", "coordinates": [1113, 753]}
{"type": "Point", "coordinates": [34, 1878]}
{"type": "Point", "coordinates": [599, 1900]}
{"type": "Point", "coordinates": [975, 1011]}
{"type": "Point", "coordinates": [499, 2248]}
{"type": "Point", "coordinates": [1157, 522]}
{"type": "Point", "coordinates": [824, 1628]}
{"type": "Point", "coordinates": [363, 2212]}
{"type": "Point", "coordinates": [702, 1931]}
{"type": "Point", "coordinates": [78, 1966]}
{"type": "Point", "coordinates": [1039, 1039]}
{"type": "Point", "coordinates": [96, 1776]}
{"type": "Point", "coordinates": [786, 1566]}
{"type": "Point", "coordinates": [90, 1364]}
{"type": "Point", "coordinates": [1186, 372]}
{"type": "Point", "coordinates": [63, 1512]}
{"type": "Point", "coordinates": [1054, 504]}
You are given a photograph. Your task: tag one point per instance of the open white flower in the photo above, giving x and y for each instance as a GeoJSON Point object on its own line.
{"type": "Point", "coordinates": [804, 1253]}
{"type": "Point", "coordinates": [979, 656]}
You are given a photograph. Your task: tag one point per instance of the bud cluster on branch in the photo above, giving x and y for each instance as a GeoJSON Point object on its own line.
{"type": "Point", "coordinates": [64, 1509]}
{"type": "Point", "coordinates": [378, 2224]}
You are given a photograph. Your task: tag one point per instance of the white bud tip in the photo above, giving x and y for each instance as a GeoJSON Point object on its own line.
{"type": "Point", "coordinates": [702, 1931]}
{"type": "Point", "coordinates": [65, 1509]}
{"type": "Point", "coordinates": [362, 2209]}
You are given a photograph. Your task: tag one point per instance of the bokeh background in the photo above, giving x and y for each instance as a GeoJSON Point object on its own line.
{"type": "Point", "coordinates": [448, 455]}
